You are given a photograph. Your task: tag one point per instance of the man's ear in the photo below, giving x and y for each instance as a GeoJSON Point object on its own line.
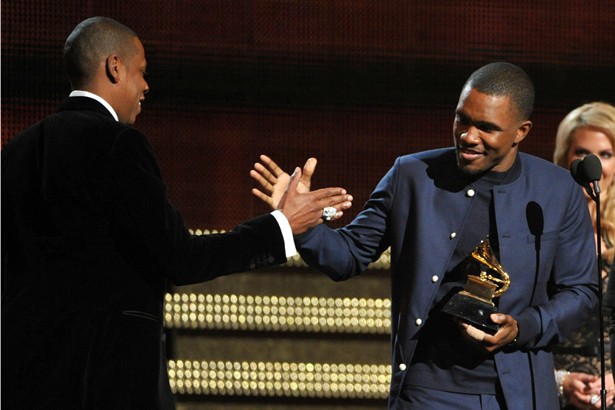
{"type": "Point", "coordinates": [522, 131]}
{"type": "Point", "coordinates": [112, 68]}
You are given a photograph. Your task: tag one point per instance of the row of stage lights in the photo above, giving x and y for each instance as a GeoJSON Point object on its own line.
{"type": "Point", "coordinates": [276, 379]}
{"type": "Point", "coordinates": [277, 313]}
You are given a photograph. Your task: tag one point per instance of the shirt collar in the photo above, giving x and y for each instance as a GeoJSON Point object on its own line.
{"type": "Point", "coordinates": [81, 93]}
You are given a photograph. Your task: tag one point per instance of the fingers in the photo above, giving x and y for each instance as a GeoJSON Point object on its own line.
{"type": "Point", "coordinates": [281, 191]}
{"type": "Point", "coordinates": [272, 179]}
{"type": "Point", "coordinates": [584, 401]}
{"type": "Point", "coordinates": [275, 169]}
{"type": "Point", "coordinates": [335, 198]}
{"type": "Point", "coordinates": [586, 379]}
{"type": "Point", "coordinates": [328, 196]}
{"type": "Point", "coordinates": [305, 210]}
{"type": "Point", "coordinates": [508, 332]}
{"type": "Point", "coordinates": [258, 177]}
{"type": "Point", "coordinates": [264, 173]}
{"type": "Point", "coordinates": [262, 196]}
{"type": "Point", "coordinates": [490, 343]}
{"type": "Point", "coordinates": [338, 215]}
{"type": "Point", "coordinates": [267, 175]}
{"type": "Point", "coordinates": [498, 318]}
{"type": "Point", "coordinates": [339, 202]}
{"type": "Point", "coordinates": [473, 333]}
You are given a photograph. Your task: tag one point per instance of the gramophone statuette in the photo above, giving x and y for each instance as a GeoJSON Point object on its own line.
{"type": "Point", "coordinates": [474, 304]}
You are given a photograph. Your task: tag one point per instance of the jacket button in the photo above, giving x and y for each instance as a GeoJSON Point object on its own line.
{"type": "Point", "coordinates": [402, 367]}
{"type": "Point", "coordinates": [418, 321]}
{"type": "Point", "coordinates": [434, 278]}
{"type": "Point", "coordinates": [452, 235]}
{"type": "Point", "coordinates": [470, 193]}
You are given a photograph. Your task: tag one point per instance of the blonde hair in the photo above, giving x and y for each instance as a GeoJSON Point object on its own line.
{"type": "Point", "coordinates": [598, 115]}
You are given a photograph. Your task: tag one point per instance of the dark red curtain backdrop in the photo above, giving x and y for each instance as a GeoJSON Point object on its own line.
{"type": "Point", "coordinates": [354, 83]}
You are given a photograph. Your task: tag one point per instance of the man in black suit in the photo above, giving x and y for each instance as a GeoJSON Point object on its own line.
{"type": "Point", "coordinates": [89, 240]}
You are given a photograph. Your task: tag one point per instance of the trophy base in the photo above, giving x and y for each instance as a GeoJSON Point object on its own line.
{"type": "Point", "coordinates": [472, 311]}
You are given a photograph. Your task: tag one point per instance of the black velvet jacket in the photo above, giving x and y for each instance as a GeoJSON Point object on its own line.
{"type": "Point", "coordinates": [89, 241]}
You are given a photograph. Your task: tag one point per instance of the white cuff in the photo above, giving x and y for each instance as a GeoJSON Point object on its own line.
{"type": "Point", "coordinates": [287, 233]}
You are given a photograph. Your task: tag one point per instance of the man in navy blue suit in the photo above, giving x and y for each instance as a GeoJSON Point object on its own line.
{"type": "Point", "coordinates": [432, 209]}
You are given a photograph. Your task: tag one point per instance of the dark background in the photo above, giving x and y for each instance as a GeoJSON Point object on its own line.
{"type": "Point", "coordinates": [354, 83]}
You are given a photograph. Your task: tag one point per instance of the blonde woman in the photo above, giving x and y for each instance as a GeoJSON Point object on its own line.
{"type": "Point", "coordinates": [589, 129]}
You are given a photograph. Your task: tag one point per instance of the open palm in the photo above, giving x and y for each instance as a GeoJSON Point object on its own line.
{"type": "Point", "coordinates": [274, 180]}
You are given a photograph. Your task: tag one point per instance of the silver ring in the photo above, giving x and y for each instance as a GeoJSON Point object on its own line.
{"type": "Point", "coordinates": [594, 399]}
{"type": "Point", "coordinates": [328, 213]}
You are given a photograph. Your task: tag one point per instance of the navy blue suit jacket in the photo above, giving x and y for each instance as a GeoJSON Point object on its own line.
{"type": "Point", "coordinates": [546, 245]}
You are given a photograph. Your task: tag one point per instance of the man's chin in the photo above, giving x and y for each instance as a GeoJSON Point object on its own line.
{"type": "Point", "coordinates": [468, 168]}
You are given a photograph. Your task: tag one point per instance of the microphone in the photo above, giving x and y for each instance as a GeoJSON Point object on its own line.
{"type": "Point", "coordinates": [592, 168]}
{"type": "Point", "coordinates": [576, 173]}
{"type": "Point", "coordinates": [535, 221]}
{"type": "Point", "coordinates": [587, 173]}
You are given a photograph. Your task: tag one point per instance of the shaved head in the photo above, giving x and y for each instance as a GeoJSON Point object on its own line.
{"type": "Point", "coordinates": [90, 43]}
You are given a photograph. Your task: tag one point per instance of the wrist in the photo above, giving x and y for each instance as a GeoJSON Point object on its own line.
{"type": "Point", "coordinates": [560, 378]}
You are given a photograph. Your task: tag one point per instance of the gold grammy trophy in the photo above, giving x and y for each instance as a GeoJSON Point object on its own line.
{"type": "Point", "coordinates": [474, 303]}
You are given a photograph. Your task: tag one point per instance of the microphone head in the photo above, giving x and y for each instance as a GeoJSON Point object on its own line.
{"type": "Point", "coordinates": [592, 168]}
{"type": "Point", "coordinates": [575, 172]}
{"type": "Point", "coordinates": [535, 218]}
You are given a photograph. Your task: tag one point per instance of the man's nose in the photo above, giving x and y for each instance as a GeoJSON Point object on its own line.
{"type": "Point", "coordinates": [470, 136]}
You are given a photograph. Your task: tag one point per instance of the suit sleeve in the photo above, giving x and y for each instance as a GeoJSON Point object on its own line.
{"type": "Point", "coordinates": [154, 229]}
{"type": "Point", "coordinates": [348, 251]}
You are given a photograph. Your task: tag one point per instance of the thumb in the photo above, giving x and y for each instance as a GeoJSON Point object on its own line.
{"type": "Point", "coordinates": [309, 167]}
{"type": "Point", "coordinates": [498, 318]}
{"type": "Point", "coordinates": [291, 188]}
{"type": "Point", "coordinates": [294, 179]}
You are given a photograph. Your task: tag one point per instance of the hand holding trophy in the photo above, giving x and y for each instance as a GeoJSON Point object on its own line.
{"type": "Point", "coordinates": [474, 303]}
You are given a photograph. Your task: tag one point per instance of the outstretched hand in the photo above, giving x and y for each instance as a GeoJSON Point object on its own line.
{"type": "Point", "coordinates": [304, 209]}
{"type": "Point", "coordinates": [275, 183]}
{"type": "Point", "coordinates": [274, 180]}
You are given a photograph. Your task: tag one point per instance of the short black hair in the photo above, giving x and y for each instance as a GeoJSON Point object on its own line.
{"type": "Point", "coordinates": [93, 40]}
{"type": "Point", "coordinates": [505, 79]}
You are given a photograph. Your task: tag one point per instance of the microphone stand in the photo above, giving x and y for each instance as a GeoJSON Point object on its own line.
{"type": "Point", "coordinates": [595, 195]}
{"type": "Point", "coordinates": [587, 173]}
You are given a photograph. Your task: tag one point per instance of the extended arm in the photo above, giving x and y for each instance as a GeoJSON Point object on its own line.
{"type": "Point", "coordinates": [151, 231]}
